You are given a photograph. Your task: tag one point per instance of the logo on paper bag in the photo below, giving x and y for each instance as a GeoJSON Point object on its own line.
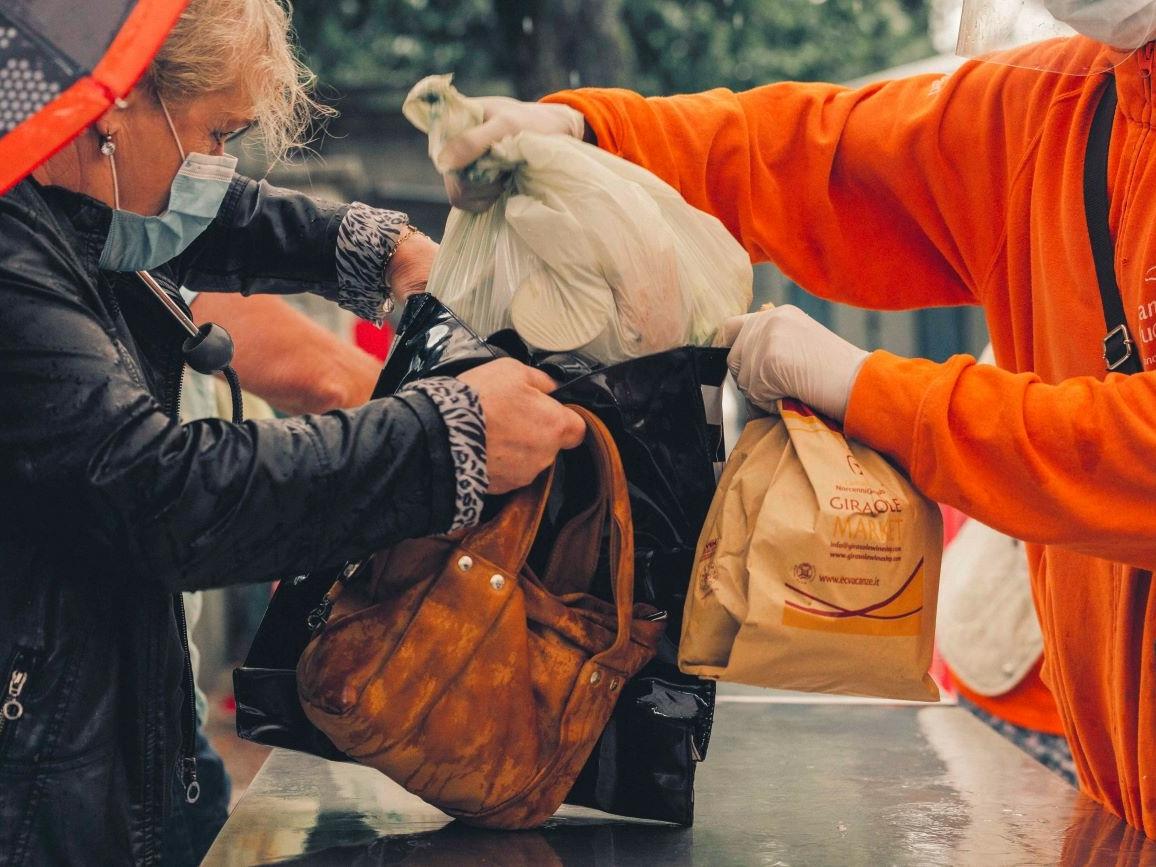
{"type": "Point", "coordinates": [804, 572]}
{"type": "Point", "coordinates": [898, 614]}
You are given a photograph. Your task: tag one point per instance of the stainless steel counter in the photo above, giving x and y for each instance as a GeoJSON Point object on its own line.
{"type": "Point", "coordinates": [784, 784]}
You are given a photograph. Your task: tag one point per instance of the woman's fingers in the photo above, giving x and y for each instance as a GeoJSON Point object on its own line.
{"type": "Point", "coordinates": [525, 427]}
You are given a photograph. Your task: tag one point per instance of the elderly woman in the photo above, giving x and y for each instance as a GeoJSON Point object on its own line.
{"type": "Point", "coordinates": [111, 507]}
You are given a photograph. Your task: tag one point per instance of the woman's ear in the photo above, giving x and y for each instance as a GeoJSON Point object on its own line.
{"type": "Point", "coordinates": [134, 96]}
{"type": "Point", "coordinates": [112, 121]}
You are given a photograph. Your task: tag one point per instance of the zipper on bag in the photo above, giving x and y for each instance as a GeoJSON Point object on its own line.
{"type": "Point", "coordinates": [319, 616]}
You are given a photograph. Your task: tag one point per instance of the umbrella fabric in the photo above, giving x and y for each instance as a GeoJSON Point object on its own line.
{"type": "Point", "coordinates": [63, 64]}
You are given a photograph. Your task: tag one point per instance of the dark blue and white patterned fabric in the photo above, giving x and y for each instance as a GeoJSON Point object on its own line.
{"type": "Point", "coordinates": [366, 239]}
{"type": "Point", "coordinates": [1051, 751]}
{"type": "Point", "coordinates": [462, 413]}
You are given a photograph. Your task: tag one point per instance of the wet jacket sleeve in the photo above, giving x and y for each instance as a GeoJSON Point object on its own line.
{"type": "Point", "coordinates": [87, 448]}
{"type": "Point", "coordinates": [272, 240]}
{"type": "Point", "coordinates": [1068, 464]}
{"type": "Point", "coordinates": [852, 193]}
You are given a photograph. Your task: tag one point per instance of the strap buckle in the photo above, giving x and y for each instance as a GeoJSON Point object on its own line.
{"type": "Point", "coordinates": [1118, 347]}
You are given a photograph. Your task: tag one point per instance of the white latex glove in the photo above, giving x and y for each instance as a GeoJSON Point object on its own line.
{"type": "Point", "coordinates": [503, 118]}
{"type": "Point", "coordinates": [783, 352]}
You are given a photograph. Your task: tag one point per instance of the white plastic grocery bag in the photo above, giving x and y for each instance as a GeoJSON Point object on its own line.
{"type": "Point", "coordinates": [584, 251]}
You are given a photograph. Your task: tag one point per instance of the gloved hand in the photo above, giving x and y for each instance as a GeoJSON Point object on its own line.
{"type": "Point", "coordinates": [783, 352]}
{"type": "Point", "coordinates": [504, 117]}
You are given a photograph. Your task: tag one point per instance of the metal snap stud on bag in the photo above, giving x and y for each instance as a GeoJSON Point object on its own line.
{"type": "Point", "coordinates": [497, 582]}
{"type": "Point", "coordinates": [595, 677]}
{"type": "Point", "coordinates": [466, 563]}
{"type": "Point", "coordinates": [614, 684]}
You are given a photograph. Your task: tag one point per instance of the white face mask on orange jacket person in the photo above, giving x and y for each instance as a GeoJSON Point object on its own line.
{"type": "Point", "coordinates": [1126, 24]}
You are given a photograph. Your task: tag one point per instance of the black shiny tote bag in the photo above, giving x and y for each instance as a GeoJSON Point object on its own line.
{"type": "Point", "coordinates": [664, 412]}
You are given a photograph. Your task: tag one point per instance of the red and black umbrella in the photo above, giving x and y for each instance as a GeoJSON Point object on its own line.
{"type": "Point", "coordinates": [63, 63]}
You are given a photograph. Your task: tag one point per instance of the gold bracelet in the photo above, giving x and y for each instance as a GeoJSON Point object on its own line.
{"type": "Point", "coordinates": [408, 232]}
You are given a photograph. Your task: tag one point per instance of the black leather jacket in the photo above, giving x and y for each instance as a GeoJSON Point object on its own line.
{"type": "Point", "coordinates": [109, 507]}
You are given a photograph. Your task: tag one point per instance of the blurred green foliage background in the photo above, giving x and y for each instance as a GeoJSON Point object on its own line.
{"type": "Point", "coordinates": [531, 47]}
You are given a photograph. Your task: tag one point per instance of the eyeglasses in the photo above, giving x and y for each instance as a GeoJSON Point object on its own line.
{"type": "Point", "coordinates": [224, 138]}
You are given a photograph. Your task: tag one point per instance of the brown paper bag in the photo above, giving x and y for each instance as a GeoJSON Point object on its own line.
{"type": "Point", "coordinates": [817, 568]}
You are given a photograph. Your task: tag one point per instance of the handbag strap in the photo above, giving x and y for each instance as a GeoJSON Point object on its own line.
{"type": "Point", "coordinates": [612, 478]}
{"type": "Point", "coordinates": [1119, 349]}
{"type": "Point", "coordinates": [506, 540]}
{"type": "Point", "coordinates": [574, 558]}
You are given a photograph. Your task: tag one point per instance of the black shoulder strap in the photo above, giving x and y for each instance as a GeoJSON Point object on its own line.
{"type": "Point", "coordinates": [1119, 349]}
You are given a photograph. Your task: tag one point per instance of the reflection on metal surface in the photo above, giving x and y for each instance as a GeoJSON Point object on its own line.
{"type": "Point", "coordinates": [1022, 826]}
{"type": "Point", "coordinates": [785, 784]}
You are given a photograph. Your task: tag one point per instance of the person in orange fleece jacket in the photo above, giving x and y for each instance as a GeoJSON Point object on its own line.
{"type": "Point", "coordinates": [964, 189]}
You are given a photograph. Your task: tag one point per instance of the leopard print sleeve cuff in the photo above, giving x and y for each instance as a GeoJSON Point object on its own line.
{"type": "Point", "coordinates": [461, 412]}
{"type": "Point", "coordinates": [365, 239]}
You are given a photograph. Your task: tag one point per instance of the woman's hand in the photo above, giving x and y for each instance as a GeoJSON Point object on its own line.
{"type": "Point", "coordinates": [408, 270]}
{"type": "Point", "coordinates": [525, 427]}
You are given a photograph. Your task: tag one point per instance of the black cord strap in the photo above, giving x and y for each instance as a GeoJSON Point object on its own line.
{"type": "Point", "coordinates": [1119, 348]}
{"type": "Point", "coordinates": [235, 393]}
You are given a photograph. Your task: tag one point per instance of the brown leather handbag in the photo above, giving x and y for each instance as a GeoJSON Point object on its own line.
{"type": "Point", "coordinates": [474, 683]}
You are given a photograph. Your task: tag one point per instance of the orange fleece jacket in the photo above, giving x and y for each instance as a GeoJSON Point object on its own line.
{"type": "Point", "coordinates": [968, 190]}
{"type": "Point", "coordinates": [1028, 704]}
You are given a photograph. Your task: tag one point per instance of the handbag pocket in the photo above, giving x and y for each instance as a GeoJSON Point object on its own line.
{"type": "Point", "coordinates": [368, 657]}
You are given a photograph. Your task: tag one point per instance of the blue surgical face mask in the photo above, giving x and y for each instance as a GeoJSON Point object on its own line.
{"type": "Point", "coordinates": [138, 243]}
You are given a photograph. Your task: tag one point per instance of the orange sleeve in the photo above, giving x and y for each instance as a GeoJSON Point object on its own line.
{"type": "Point", "coordinates": [855, 194]}
{"type": "Point", "coordinates": [1069, 464]}
{"type": "Point", "coordinates": [286, 358]}
{"type": "Point", "coordinates": [1029, 704]}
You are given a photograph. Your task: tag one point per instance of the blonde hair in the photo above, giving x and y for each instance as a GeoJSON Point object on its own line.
{"type": "Point", "coordinates": [218, 45]}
